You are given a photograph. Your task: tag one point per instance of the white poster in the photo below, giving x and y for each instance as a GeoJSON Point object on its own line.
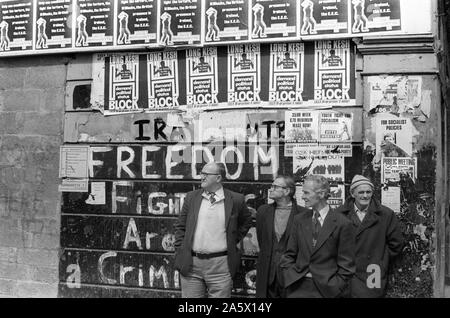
{"type": "Point", "coordinates": [321, 150]}
{"type": "Point", "coordinates": [335, 126]}
{"type": "Point", "coordinates": [395, 169]}
{"type": "Point", "coordinates": [390, 197]}
{"type": "Point", "coordinates": [301, 126]}
{"type": "Point", "coordinates": [394, 136]}
{"type": "Point", "coordinates": [97, 196]}
{"type": "Point", "coordinates": [73, 161]}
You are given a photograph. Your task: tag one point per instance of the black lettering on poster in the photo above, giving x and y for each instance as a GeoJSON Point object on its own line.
{"type": "Point", "coordinates": [201, 77]}
{"type": "Point", "coordinates": [53, 24]}
{"type": "Point", "coordinates": [163, 86]}
{"type": "Point", "coordinates": [179, 22]}
{"type": "Point", "coordinates": [324, 17]}
{"type": "Point", "coordinates": [94, 23]}
{"type": "Point", "coordinates": [376, 16]}
{"type": "Point", "coordinates": [332, 79]}
{"type": "Point", "coordinates": [16, 25]}
{"type": "Point", "coordinates": [136, 22]}
{"type": "Point", "coordinates": [244, 74]}
{"type": "Point", "coordinates": [274, 19]}
{"type": "Point", "coordinates": [286, 73]}
{"type": "Point", "coordinates": [226, 20]}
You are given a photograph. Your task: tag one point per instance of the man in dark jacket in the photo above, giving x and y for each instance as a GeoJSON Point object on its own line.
{"type": "Point", "coordinates": [319, 259]}
{"type": "Point", "coordinates": [378, 239]}
{"type": "Point", "coordinates": [273, 225]}
{"type": "Point", "coordinates": [212, 222]}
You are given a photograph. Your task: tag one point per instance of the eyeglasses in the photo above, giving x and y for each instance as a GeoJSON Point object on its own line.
{"type": "Point", "coordinates": [208, 174]}
{"type": "Point", "coordinates": [273, 186]}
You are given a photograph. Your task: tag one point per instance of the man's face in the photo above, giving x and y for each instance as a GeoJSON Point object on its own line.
{"type": "Point", "coordinates": [210, 176]}
{"type": "Point", "coordinates": [278, 189]}
{"type": "Point", "coordinates": [311, 195]}
{"type": "Point", "coordinates": [363, 195]}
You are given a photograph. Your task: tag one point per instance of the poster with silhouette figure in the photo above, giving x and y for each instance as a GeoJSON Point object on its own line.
{"type": "Point", "coordinates": [331, 167]}
{"type": "Point", "coordinates": [179, 22]}
{"type": "Point", "coordinates": [370, 16]}
{"type": "Point", "coordinates": [274, 19]}
{"type": "Point", "coordinates": [202, 86]}
{"type": "Point", "coordinates": [286, 74]}
{"type": "Point", "coordinates": [136, 22]}
{"type": "Point", "coordinates": [225, 21]}
{"type": "Point", "coordinates": [94, 23]}
{"type": "Point", "coordinates": [335, 126]}
{"type": "Point", "coordinates": [244, 74]}
{"type": "Point", "coordinates": [16, 25]}
{"type": "Point", "coordinates": [53, 24]}
{"type": "Point", "coordinates": [332, 74]}
{"type": "Point", "coordinates": [320, 18]}
{"type": "Point", "coordinates": [163, 80]}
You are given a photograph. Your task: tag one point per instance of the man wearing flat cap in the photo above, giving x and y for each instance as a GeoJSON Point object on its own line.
{"type": "Point", "coordinates": [378, 239]}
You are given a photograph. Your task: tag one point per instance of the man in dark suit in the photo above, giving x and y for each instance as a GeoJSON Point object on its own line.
{"type": "Point", "coordinates": [378, 239]}
{"type": "Point", "coordinates": [212, 222]}
{"type": "Point", "coordinates": [273, 225]}
{"type": "Point", "coordinates": [319, 260]}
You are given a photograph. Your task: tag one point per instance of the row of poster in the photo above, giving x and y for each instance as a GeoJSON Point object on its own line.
{"type": "Point", "coordinates": [320, 73]}
{"type": "Point", "coordinates": [50, 25]}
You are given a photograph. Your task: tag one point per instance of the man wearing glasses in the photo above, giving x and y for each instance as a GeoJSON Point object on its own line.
{"type": "Point", "coordinates": [320, 256]}
{"type": "Point", "coordinates": [212, 222]}
{"type": "Point", "coordinates": [273, 225]}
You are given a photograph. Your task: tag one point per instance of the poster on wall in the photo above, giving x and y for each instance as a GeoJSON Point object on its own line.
{"type": "Point", "coordinates": [136, 22]}
{"type": "Point", "coordinates": [394, 136]}
{"type": "Point", "coordinates": [301, 126]}
{"type": "Point", "coordinates": [179, 22]}
{"type": "Point", "coordinates": [375, 16]}
{"type": "Point", "coordinates": [94, 23]}
{"type": "Point", "coordinates": [335, 126]}
{"type": "Point", "coordinates": [322, 17]}
{"type": "Point", "coordinates": [201, 77]}
{"type": "Point", "coordinates": [163, 85]}
{"type": "Point", "coordinates": [398, 95]}
{"type": "Point", "coordinates": [391, 197]}
{"type": "Point", "coordinates": [286, 73]}
{"type": "Point", "coordinates": [396, 169]}
{"type": "Point", "coordinates": [53, 24]}
{"type": "Point", "coordinates": [225, 21]}
{"type": "Point", "coordinates": [274, 19]}
{"type": "Point", "coordinates": [332, 80]}
{"type": "Point", "coordinates": [244, 74]}
{"type": "Point", "coordinates": [16, 25]}
{"type": "Point", "coordinates": [331, 167]}
{"type": "Point", "coordinates": [311, 150]}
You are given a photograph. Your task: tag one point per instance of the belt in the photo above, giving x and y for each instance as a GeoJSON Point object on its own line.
{"type": "Point", "coordinates": [209, 255]}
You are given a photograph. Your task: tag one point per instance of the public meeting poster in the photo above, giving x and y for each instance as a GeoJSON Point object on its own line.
{"type": "Point", "coordinates": [136, 22]}
{"type": "Point", "coordinates": [16, 25]}
{"type": "Point", "coordinates": [53, 24]}
{"type": "Point", "coordinates": [94, 23]}
{"type": "Point", "coordinates": [225, 21]}
{"type": "Point", "coordinates": [375, 16]}
{"type": "Point", "coordinates": [323, 17]}
{"type": "Point", "coordinates": [274, 19]}
{"type": "Point", "coordinates": [179, 22]}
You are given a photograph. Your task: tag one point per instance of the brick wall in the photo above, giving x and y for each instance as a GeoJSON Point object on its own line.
{"type": "Point", "coordinates": [31, 112]}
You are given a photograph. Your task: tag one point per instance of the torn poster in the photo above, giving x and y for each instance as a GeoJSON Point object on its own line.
{"type": "Point", "coordinates": [394, 136]}
{"type": "Point", "coordinates": [390, 197]}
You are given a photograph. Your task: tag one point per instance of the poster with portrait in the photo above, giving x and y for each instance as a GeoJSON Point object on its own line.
{"type": "Point", "coordinates": [394, 136]}
{"type": "Point", "coordinates": [244, 74]}
{"type": "Point", "coordinates": [286, 73]}
{"type": "Point", "coordinates": [16, 25]}
{"type": "Point", "coordinates": [179, 22]}
{"type": "Point", "coordinates": [53, 24]}
{"type": "Point", "coordinates": [162, 76]}
{"type": "Point", "coordinates": [225, 21]}
{"type": "Point", "coordinates": [274, 19]}
{"type": "Point", "coordinates": [135, 22]}
{"type": "Point", "coordinates": [94, 23]}
{"type": "Point", "coordinates": [335, 126]}
{"type": "Point", "coordinates": [369, 16]}
{"type": "Point", "coordinates": [321, 18]}
{"type": "Point", "coordinates": [201, 77]}
{"type": "Point", "coordinates": [332, 80]}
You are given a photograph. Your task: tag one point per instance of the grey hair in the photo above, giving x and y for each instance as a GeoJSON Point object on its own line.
{"type": "Point", "coordinates": [320, 183]}
{"type": "Point", "coordinates": [290, 184]}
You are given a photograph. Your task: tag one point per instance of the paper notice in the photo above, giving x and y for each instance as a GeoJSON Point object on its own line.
{"type": "Point", "coordinates": [97, 195]}
{"type": "Point", "coordinates": [73, 162]}
{"type": "Point", "coordinates": [73, 185]}
{"type": "Point", "coordinates": [390, 197]}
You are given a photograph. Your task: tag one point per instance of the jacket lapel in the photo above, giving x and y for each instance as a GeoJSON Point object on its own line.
{"type": "Point", "coordinates": [270, 219]}
{"type": "Point", "coordinates": [306, 224]}
{"type": "Point", "coordinates": [228, 206]}
{"type": "Point", "coordinates": [370, 219]}
{"type": "Point", "coordinates": [197, 200]}
{"type": "Point", "coordinates": [328, 227]}
{"type": "Point", "coordinates": [294, 212]}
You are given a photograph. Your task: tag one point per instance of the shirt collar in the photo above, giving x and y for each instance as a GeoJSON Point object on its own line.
{"type": "Point", "coordinates": [358, 210]}
{"type": "Point", "coordinates": [323, 213]}
{"type": "Point", "coordinates": [219, 194]}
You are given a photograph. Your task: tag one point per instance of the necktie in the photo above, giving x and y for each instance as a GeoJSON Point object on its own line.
{"type": "Point", "coordinates": [316, 227]}
{"type": "Point", "coordinates": [211, 197]}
